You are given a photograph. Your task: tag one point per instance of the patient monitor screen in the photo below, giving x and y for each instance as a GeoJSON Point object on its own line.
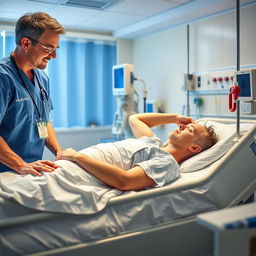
{"type": "Point", "coordinates": [244, 84]}
{"type": "Point", "coordinates": [118, 78]}
{"type": "Point", "coordinates": [122, 79]}
{"type": "Point", "coordinates": [247, 82]}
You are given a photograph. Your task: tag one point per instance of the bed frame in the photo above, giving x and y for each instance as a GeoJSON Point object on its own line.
{"type": "Point", "coordinates": [181, 237]}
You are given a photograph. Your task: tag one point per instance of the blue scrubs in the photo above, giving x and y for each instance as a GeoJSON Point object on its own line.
{"type": "Point", "coordinates": [18, 113]}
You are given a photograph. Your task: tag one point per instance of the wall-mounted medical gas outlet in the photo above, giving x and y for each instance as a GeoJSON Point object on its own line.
{"type": "Point", "coordinates": [198, 101]}
{"type": "Point", "coordinates": [213, 81]}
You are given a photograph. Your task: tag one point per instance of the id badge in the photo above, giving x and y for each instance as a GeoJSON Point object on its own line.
{"type": "Point", "coordinates": [42, 130]}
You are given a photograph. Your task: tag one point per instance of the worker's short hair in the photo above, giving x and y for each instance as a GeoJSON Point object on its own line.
{"type": "Point", "coordinates": [33, 25]}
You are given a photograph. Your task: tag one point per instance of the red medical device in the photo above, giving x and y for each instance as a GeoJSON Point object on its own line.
{"type": "Point", "coordinates": [233, 97]}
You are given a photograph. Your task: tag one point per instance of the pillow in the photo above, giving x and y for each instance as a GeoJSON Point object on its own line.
{"type": "Point", "coordinates": [226, 134]}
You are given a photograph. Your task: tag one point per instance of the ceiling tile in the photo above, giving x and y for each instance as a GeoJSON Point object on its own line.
{"type": "Point", "coordinates": [179, 1]}
{"type": "Point", "coordinates": [9, 16]}
{"type": "Point", "coordinates": [126, 18]}
{"type": "Point", "coordinates": [113, 18]}
{"type": "Point", "coordinates": [142, 7]}
{"type": "Point", "coordinates": [23, 6]}
{"type": "Point", "coordinates": [98, 26]}
{"type": "Point", "coordinates": [72, 16]}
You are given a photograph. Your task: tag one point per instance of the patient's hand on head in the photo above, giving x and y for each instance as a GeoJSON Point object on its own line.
{"type": "Point", "coordinates": [184, 120]}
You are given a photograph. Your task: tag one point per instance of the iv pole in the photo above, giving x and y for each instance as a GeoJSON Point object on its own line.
{"type": "Point", "coordinates": [188, 108]}
{"type": "Point", "coordinates": [238, 62]}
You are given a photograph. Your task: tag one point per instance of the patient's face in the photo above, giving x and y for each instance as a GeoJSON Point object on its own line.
{"type": "Point", "coordinates": [186, 134]}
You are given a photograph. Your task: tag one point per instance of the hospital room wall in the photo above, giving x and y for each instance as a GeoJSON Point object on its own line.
{"type": "Point", "coordinates": [161, 59]}
{"type": "Point", "coordinates": [213, 47]}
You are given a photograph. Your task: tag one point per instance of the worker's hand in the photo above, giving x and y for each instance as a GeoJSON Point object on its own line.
{"type": "Point", "coordinates": [68, 154]}
{"type": "Point", "coordinates": [36, 167]}
{"type": "Point", "coordinates": [184, 120]}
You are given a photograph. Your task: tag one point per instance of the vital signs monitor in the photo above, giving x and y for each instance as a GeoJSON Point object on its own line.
{"type": "Point", "coordinates": [122, 79]}
{"type": "Point", "coordinates": [246, 80]}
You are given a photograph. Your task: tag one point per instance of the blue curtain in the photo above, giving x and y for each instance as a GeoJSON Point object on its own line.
{"type": "Point", "coordinates": [81, 86]}
{"type": "Point", "coordinates": [80, 81]}
{"type": "Point", "coordinates": [7, 43]}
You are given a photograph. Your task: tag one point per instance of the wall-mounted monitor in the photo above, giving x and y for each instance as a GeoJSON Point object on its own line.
{"type": "Point", "coordinates": [122, 79]}
{"type": "Point", "coordinates": [246, 80]}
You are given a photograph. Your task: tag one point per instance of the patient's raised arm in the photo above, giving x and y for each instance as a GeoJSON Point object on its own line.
{"type": "Point", "coordinates": [141, 123]}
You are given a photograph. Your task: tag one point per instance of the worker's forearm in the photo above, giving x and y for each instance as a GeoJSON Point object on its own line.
{"type": "Point", "coordinates": [52, 142]}
{"type": "Point", "coordinates": [9, 157]}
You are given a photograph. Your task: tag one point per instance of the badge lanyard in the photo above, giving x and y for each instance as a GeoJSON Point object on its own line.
{"type": "Point", "coordinates": [44, 98]}
{"type": "Point", "coordinates": [41, 126]}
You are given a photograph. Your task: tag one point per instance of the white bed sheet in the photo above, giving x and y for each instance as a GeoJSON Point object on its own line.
{"type": "Point", "coordinates": [113, 220]}
{"type": "Point", "coordinates": [69, 189]}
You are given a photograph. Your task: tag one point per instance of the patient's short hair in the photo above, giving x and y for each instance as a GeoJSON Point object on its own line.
{"type": "Point", "coordinates": [208, 139]}
{"type": "Point", "coordinates": [33, 25]}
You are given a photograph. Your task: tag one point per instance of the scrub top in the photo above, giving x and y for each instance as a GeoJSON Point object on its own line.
{"type": "Point", "coordinates": [18, 114]}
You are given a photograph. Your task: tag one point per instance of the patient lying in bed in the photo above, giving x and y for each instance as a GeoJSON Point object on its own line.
{"type": "Point", "coordinates": [85, 183]}
{"type": "Point", "coordinates": [144, 162]}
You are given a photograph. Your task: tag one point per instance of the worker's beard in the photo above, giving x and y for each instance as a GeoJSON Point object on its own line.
{"type": "Point", "coordinates": [42, 64]}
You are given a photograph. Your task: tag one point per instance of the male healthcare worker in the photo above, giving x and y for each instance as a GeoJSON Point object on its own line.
{"type": "Point", "coordinates": [24, 96]}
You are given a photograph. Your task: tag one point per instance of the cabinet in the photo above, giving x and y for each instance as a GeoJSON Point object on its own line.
{"type": "Point", "coordinates": [234, 230]}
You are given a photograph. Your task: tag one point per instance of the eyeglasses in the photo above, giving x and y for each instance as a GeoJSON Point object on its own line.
{"type": "Point", "coordinates": [47, 49]}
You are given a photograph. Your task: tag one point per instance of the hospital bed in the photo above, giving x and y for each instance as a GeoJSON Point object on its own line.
{"type": "Point", "coordinates": [159, 221]}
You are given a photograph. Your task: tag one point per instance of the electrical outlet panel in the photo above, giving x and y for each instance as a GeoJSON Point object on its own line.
{"type": "Point", "coordinates": [213, 81]}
